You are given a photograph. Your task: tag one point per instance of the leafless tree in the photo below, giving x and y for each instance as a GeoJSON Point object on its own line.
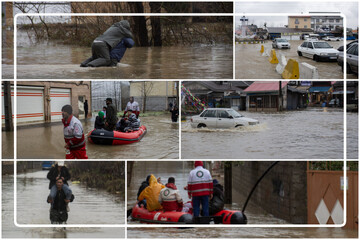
{"type": "Point", "coordinates": [145, 89]}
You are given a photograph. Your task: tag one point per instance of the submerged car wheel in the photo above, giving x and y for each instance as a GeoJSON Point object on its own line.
{"type": "Point", "coordinates": [201, 125]}
{"type": "Point", "coordinates": [316, 58]}
{"type": "Point", "coordinates": [239, 125]}
{"type": "Point", "coordinates": [299, 53]}
{"type": "Point", "coordinates": [348, 69]}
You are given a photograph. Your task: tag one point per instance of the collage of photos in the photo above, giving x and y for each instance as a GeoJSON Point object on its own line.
{"type": "Point", "coordinates": [179, 120]}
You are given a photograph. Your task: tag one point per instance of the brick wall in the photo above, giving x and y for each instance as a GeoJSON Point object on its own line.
{"type": "Point", "coordinates": [282, 192]}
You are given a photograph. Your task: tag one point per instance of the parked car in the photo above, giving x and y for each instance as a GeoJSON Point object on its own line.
{"type": "Point", "coordinates": [341, 48]}
{"type": "Point", "coordinates": [317, 50]}
{"type": "Point", "coordinates": [281, 43]}
{"type": "Point", "coordinates": [334, 102]}
{"type": "Point", "coordinates": [221, 118]}
{"type": "Point", "coordinates": [330, 38]}
{"type": "Point", "coordinates": [352, 56]}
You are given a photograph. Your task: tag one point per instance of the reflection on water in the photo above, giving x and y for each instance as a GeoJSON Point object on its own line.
{"type": "Point", "coordinates": [58, 61]}
{"type": "Point", "coordinates": [160, 141]}
{"type": "Point", "coordinates": [311, 133]}
{"type": "Point", "coordinates": [254, 213]}
{"type": "Point", "coordinates": [90, 206]}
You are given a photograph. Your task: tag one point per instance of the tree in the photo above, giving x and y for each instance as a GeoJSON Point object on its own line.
{"type": "Point", "coordinates": [156, 24]}
{"type": "Point", "coordinates": [139, 26]}
{"type": "Point", "coordinates": [145, 89]}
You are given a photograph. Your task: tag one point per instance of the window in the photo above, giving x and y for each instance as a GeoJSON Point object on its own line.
{"type": "Point", "coordinates": [222, 114]}
{"type": "Point", "coordinates": [209, 113]}
{"type": "Point", "coordinates": [318, 20]}
{"type": "Point", "coordinates": [296, 21]}
{"type": "Point", "coordinates": [305, 26]}
{"type": "Point", "coordinates": [337, 20]}
{"type": "Point", "coordinates": [323, 20]}
{"type": "Point", "coordinates": [353, 50]}
{"type": "Point", "coordinates": [310, 45]}
{"type": "Point", "coordinates": [296, 26]}
{"type": "Point", "coordinates": [305, 19]}
{"type": "Point", "coordinates": [331, 20]}
{"type": "Point", "coordinates": [304, 44]}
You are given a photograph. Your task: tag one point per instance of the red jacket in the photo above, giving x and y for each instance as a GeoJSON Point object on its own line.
{"type": "Point", "coordinates": [199, 182]}
{"type": "Point", "coordinates": [73, 133]}
{"type": "Point", "coordinates": [170, 198]}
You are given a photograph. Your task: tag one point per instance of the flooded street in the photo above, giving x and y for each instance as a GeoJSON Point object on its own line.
{"type": "Point", "coordinates": [248, 62]}
{"type": "Point", "coordinates": [7, 145]}
{"type": "Point", "coordinates": [161, 141]}
{"type": "Point", "coordinates": [90, 206]}
{"type": "Point", "coordinates": [254, 213]}
{"type": "Point", "coordinates": [58, 61]}
{"type": "Point", "coordinates": [314, 133]}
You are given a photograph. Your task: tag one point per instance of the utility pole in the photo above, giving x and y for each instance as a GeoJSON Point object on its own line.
{"type": "Point", "coordinates": [228, 182]}
{"type": "Point", "coordinates": [280, 97]}
{"type": "Point", "coordinates": [9, 126]}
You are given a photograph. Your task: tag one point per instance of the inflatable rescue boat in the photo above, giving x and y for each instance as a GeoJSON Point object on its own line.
{"type": "Point", "coordinates": [222, 217]}
{"type": "Point", "coordinates": [104, 137]}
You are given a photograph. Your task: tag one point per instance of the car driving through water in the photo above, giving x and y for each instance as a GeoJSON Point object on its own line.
{"type": "Point", "coordinates": [221, 118]}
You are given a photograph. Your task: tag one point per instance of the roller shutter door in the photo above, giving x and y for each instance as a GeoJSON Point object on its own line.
{"type": "Point", "coordinates": [59, 97]}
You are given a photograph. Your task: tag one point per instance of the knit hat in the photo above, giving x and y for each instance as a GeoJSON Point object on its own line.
{"type": "Point", "coordinates": [101, 114]}
{"type": "Point", "coordinates": [198, 163]}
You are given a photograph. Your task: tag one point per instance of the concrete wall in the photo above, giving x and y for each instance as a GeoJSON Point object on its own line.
{"type": "Point", "coordinates": [154, 88]}
{"type": "Point", "coordinates": [155, 103]}
{"type": "Point", "coordinates": [282, 192]}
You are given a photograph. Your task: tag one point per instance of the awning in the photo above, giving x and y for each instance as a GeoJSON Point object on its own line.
{"type": "Point", "coordinates": [319, 89]}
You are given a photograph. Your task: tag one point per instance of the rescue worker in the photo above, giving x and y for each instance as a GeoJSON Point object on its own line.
{"type": "Point", "coordinates": [59, 171]}
{"type": "Point", "coordinates": [151, 194]}
{"type": "Point", "coordinates": [170, 198]}
{"type": "Point", "coordinates": [111, 115]}
{"type": "Point", "coordinates": [73, 135]}
{"type": "Point", "coordinates": [105, 43]}
{"type": "Point", "coordinates": [133, 106]}
{"type": "Point", "coordinates": [216, 203]}
{"type": "Point", "coordinates": [200, 187]}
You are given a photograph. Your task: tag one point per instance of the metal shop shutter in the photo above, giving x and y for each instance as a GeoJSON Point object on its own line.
{"type": "Point", "coordinates": [30, 104]}
{"type": "Point", "coordinates": [59, 97]}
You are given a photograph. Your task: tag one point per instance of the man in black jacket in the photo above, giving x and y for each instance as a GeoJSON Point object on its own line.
{"type": "Point", "coordinates": [103, 44]}
{"type": "Point", "coordinates": [216, 204]}
{"type": "Point", "coordinates": [58, 211]}
{"type": "Point", "coordinates": [111, 115]}
{"type": "Point", "coordinates": [59, 171]}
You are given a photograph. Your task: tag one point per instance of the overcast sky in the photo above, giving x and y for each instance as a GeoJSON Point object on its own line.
{"type": "Point", "coordinates": [349, 9]}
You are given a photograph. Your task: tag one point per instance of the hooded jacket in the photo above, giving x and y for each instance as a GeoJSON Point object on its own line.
{"type": "Point", "coordinates": [151, 194]}
{"type": "Point", "coordinates": [114, 34]}
{"type": "Point", "coordinates": [170, 198]}
{"type": "Point", "coordinates": [216, 204]}
{"type": "Point", "coordinates": [199, 181]}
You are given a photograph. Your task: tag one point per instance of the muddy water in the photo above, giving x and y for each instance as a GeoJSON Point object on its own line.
{"type": "Point", "coordinates": [248, 62]}
{"type": "Point", "coordinates": [7, 145]}
{"type": "Point", "coordinates": [160, 141]}
{"type": "Point", "coordinates": [89, 207]}
{"type": "Point", "coordinates": [58, 61]}
{"type": "Point", "coordinates": [254, 213]}
{"type": "Point", "coordinates": [314, 133]}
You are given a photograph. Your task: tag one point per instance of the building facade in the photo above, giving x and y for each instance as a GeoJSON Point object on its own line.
{"type": "Point", "coordinates": [40, 101]}
{"type": "Point", "coordinates": [299, 22]}
{"type": "Point", "coordinates": [326, 23]}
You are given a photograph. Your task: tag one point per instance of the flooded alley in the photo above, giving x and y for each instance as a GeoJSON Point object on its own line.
{"type": "Point", "coordinates": [50, 60]}
{"type": "Point", "coordinates": [91, 206]}
{"type": "Point", "coordinates": [249, 60]}
{"type": "Point", "coordinates": [315, 133]}
{"type": "Point", "coordinates": [254, 213]}
{"type": "Point", "coordinates": [161, 141]}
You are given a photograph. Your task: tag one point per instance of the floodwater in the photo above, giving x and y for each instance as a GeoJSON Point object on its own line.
{"type": "Point", "coordinates": [51, 60]}
{"type": "Point", "coordinates": [7, 145]}
{"type": "Point", "coordinates": [250, 64]}
{"type": "Point", "coordinates": [254, 213]}
{"type": "Point", "coordinates": [161, 141]}
{"type": "Point", "coordinates": [90, 206]}
{"type": "Point", "coordinates": [314, 133]}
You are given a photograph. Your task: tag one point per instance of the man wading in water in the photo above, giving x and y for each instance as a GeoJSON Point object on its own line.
{"type": "Point", "coordinates": [110, 47]}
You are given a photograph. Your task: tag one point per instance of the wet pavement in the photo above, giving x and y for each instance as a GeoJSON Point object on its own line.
{"type": "Point", "coordinates": [250, 64]}
{"type": "Point", "coordinates": [58, 61]}
{"type": "Point", "coordinates": [91, 206]}
{"type": "Point", "coordinates": [254, 213]}
{"type": "Point", "coordinates": [161, 141]}
{"type": "Point", "coordinates": [314, 133]}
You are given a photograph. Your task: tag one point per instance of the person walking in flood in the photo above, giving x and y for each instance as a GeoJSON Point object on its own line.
{"type": "Point", "coordinates": [59, 171]}
{"type": "Point", "coordinates": [73, 135]}
{"type": "Point", "coordinates": [111, 115]}
{"type": "Point", "coordinates": [60, 204]}
{"type": "Point", "coordinates": [110, 47]}
{"type": "Point", "coordinates": [86, 108]}
{"type": "Point", "coordinates": [174, 113]}
{"type": "Point", "coordinates": [200, 188]}
{"type": "Point", "coordinates": [133, 106]}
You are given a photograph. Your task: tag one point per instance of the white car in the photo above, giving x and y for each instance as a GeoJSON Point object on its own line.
{"type": "Point", "coordinates": [280, 43]}
{"type": "Point", "coordinates": [329, 38]}
{"type": "Point", "coordinates": [317, 50]}
{"type": "Point", "coordinates": [221, 118]}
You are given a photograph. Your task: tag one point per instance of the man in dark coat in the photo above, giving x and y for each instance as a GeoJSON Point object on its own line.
{"type": "Point", "coordinates": [59, 171]}
{"type": "Point", "coordinates": [102, 45]}
{"type": "Point", "coordinates": [111, 115]}
{"type": "Point", "coordinates": [174, 113]}
{"type": "Point", "coordinates": [86, 108]}
{"type": "Point", "coordinates": [216, 204]}
{"type": "Point", "coordinates": [143, 185]}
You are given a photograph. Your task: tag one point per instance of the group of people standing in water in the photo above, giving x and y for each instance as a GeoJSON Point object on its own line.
{"type": "Point", "coordinates": [202, 190]}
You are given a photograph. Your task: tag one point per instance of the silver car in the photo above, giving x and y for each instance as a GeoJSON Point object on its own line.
{"type": "Point", "coordinates": [352, 56]}
{"type": "Point", "coordinates": [281, 43]}
{"type": "Point", "coordinates": [221, 118]}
